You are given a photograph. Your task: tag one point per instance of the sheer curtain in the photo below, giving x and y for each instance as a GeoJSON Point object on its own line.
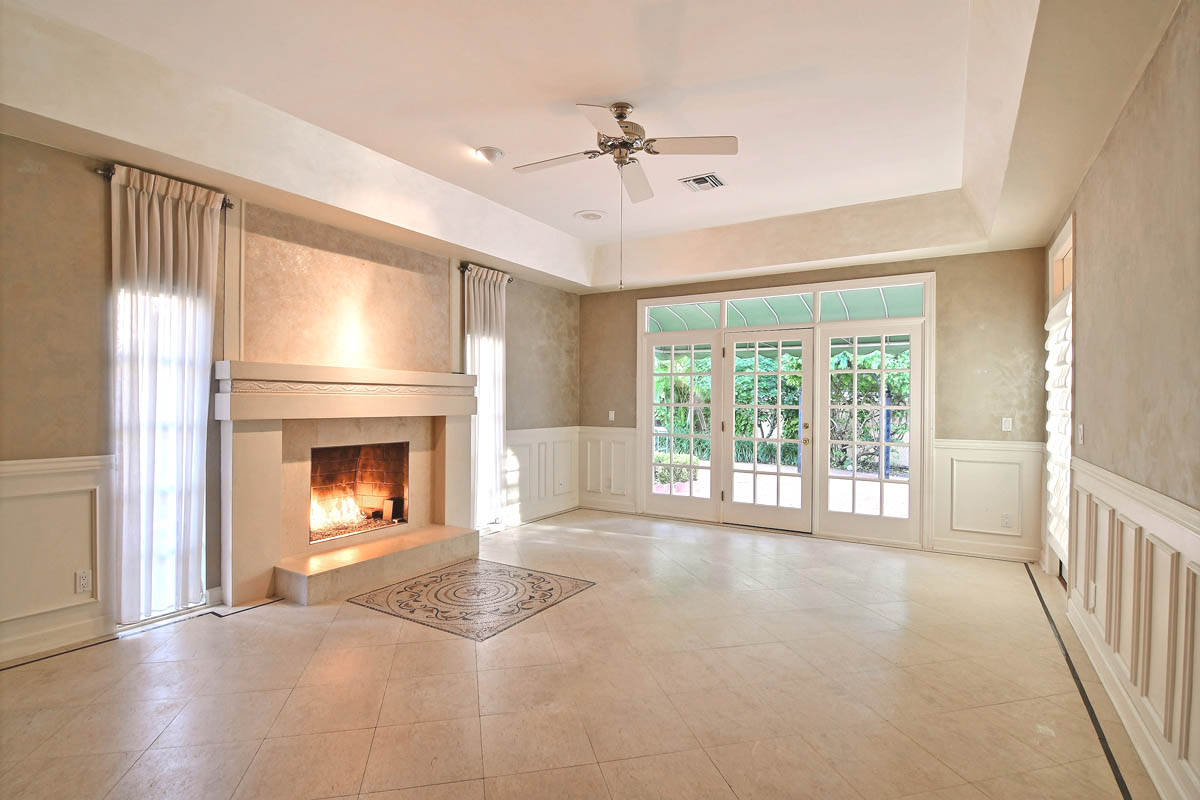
{"type": "Point", "coordinates": [485, 289]}
{"type": "Point", "coordinates": [164, 259]}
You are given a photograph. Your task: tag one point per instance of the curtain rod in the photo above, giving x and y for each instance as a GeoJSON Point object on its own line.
{"type": "Point", "coordinates": [109, 170]}
{"type": "Point", "coordinates": [464, 268]}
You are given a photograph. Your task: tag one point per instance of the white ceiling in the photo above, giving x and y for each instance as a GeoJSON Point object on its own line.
{"type": "Point", "coordinates": [834, 103]}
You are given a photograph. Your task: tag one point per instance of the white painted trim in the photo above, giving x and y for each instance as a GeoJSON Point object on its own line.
{"type": "Point", "coordinates": [46, 466]}
{"type": "Point", "coordinates": [541, 473]}
{"type": "Point", "coordinates": [233, 289]}
{"type": "Point", "coordinates": [984, 444]}
{"type": "Point", "coordinates": [1177, 512]}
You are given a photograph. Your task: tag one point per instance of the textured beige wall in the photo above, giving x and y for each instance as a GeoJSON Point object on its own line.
{"type": "Point", "coordinates": [542, 336]}
{"type": "Point", "coordinates": [990, 361]}
{"type": "Point", "coordinates": [315, 294]}
{"type": "Point", "coordinates": [1137, 279]}
{"type": "Point", "coordinates": [54, 309]}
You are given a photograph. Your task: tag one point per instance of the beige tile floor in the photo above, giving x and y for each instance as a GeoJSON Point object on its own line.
{"type": "Point", "coordinates": [707, 662]}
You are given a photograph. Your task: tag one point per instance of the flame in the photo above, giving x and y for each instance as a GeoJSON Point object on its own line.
{"type": "Point", "coordinates": [340, 511]}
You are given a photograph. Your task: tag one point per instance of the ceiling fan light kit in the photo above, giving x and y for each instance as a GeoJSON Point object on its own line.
{"type": "Point", "coordinates": [489, 154]}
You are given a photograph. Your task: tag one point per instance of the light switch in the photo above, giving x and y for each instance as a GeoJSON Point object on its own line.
{"type": "Point", "coordinates": [612, 416]}
{"type": "Point", "coordinates": [1006, 424]}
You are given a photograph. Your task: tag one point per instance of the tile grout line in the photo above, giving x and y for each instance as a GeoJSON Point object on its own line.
{"type": "Point", "coordinates": [1108, 753]}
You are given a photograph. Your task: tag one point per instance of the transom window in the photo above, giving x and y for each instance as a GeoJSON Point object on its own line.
{"type": "Point", "coordinates": [682, 414]}
{"type": "Point", "coordinates": [869, 417]}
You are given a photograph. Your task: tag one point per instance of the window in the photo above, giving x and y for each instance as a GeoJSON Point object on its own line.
{"type": "Point", "coordinates": [682, 414]}
{"type": "Point", "coordinates": [882, 302]}
{"type": "Point", "coordinates": [870, 380]}
{"type": "Point", "coordinates": [684, 317]}
{"type": "Point", "coordinates": [785, 309]}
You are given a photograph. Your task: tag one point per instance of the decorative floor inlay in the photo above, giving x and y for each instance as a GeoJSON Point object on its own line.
{"type": "Point", "coordinates": [475, 599]}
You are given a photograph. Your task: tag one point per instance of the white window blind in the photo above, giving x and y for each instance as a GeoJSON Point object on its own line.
{"type": "Point", "coordinates": [1058, 424]}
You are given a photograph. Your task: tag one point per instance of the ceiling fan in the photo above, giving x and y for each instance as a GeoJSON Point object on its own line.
{"type": "Point", "coordinates": [616, 136]}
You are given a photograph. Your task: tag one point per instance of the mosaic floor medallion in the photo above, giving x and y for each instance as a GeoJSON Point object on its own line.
{"type": "Point", "coordinates": [475, 599]}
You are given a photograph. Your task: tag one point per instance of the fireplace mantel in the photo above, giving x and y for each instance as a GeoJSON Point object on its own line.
{"type": "Point", "coordinates": [250, 390]}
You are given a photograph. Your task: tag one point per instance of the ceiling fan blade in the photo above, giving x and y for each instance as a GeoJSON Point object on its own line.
{"type": "Point", "coordinates": [637, 186]}
{"type": "Point", "coordinates": [693, 146]}
{"type": "Point", "coordinates": [601, 119]}
{"type": "Point", "coordinates": [554, 162]}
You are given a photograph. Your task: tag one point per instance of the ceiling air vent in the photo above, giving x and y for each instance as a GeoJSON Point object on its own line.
{"type": "Point", "coordinates": [702, 183]}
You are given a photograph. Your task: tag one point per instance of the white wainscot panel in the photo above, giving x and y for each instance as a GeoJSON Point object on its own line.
{"type": "Point", "coordinates": [606, 468]}
{"type": "Point", "coordinates": [987, 498]}
{"type": "Point", "coordinates": [53, 523]}
{"type": "Point", "coordinates": [540, 473]}
{"type": "Point", "coordinates": [1133, 601]}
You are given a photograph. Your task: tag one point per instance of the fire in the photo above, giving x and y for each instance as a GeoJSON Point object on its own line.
{"type": "Point", "coordinates": [340, 511]}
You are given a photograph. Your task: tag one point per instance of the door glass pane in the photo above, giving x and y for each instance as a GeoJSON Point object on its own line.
{"type": "Point", "coordinates": [743, 487]}
{"type": "Point", "coordinates": [869, 420]}
{"type": "Point", "coordinates": [768, 456]}
{"type": "Point", "coordinates": [765, 494]}
{"type": "Point", "coordinates": [743, 357]}
{"type": "Point", "coordinates": [662, 358]}
{"type": "Point", "coordinates": [791, 494]}
{"type": "Point", "coordinates": [743, 421]}
{"type": "Point", "coordinates": [702, 483]}
{"type": "Point", "coordinates": [895, 500]}
{"type": "Point", "coordinates": [768, 423]}
{"type": "Point", "coordinates": [743, 454]}
{"type": "Point", "coordinates": [768, 389]}
{"type": "Point", "coordinates": [768, 356]}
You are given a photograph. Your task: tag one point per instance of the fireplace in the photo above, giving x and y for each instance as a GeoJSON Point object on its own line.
{"type": "Point", "coordinates": [357, 488]}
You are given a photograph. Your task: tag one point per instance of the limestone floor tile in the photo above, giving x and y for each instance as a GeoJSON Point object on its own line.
{"type": "Point", "coordinates": [416, 632]}
{"type": "Point", "coordinates": [730, 631]}
{"type": "Point", "coordinates": [532, 741]}
{"type": "Point", "coordinates": [1041, 673]}
{"type": "Point", "coordinates": [815, 705]}
{"type": "Point", "coordinates": [1079, 780]}
{"type": "Point", "coordinates": [965, 684]}
{"type": "Point", "coordinates": [691, 670]}
{"type": "Point", "coordinates": [112, 727]}
{"type": "Point", "coordinates": [661, 637]}
{"type": "Point", "coordinates": [372, 663]}
{"type": "Point", "coordinates": [728, 716]}
{"type": "Point", "coordinates": [204, 772]}
{"type": "Point", "coordinates": [836, 654]}
{"type": "Point", "coordinates": [540, 688]}
{"type": "Point", "coordinates": [404, 756]}
{"type": "Point", "coordinates": [511, 649]}
{"type": "Point", "coordinates": [255, 673]}
{"type": "Point", "coordinates": [616, 678]}
{"type": "Point", "coordinates": [896, 693]}
{"type": "Point", "coordinates": [36, 687]}
{"type": "Point", "coordinates": [971, 744]}
{"type": "Point", "coordinates": [675, 775]}
{"type": "Point", "coordinates": [429, 698]}
{"type": "Point", "coordinates": [813, 596]}
{"type": "Point", "coordinates": [779, 769]}
{"type": "Point", "coordinates": [880, 761]}
{"type": "Point", "coordinates": [793, 624]}
{"type": "Point", "coordinates": [330, 707]}
{"type": "Point", "coordinates": [307, 767]}
{"type": "Point", "coordinates": [1097, 696]}
{"type": "Point", "coordinates": [569, 783]}
{"type": "Point", "coordinates": [586, 644]}
{"type": "Point", "coordinates": [1060, 734]}
{"type": "Point", "coordinates": [433, 658]}
{"type": "Point", "coordinates": [48, 778]}
{"type": "Point", "coordinates": [162, 680]}
{"type": "Point", "coordinates": [911, 614]}
{"type": "Point", "coordinates": [362, 631]}
{"type": "Point", "coordinates": [459, 790]}
{"type": "Point", "coordinates": [765, 663]}
{"type": "Point", "coordinates": [966, 791]}
{"type": "Point", "coordinates": [635, 726]}
{"type": "Point", "coordinates": [905, 648]}
{"type": "Point", "coordinates": [22, 731]}
{"type": "Point", "coordinates": [218, 718]}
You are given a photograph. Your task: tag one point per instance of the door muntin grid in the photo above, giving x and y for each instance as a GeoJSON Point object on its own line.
{"type": "Point", "coordinates": [681, 420]}
{"type": "Point", "coordinates": [870, 417]}
{"type": "Point", "coordinates": [768, 422]}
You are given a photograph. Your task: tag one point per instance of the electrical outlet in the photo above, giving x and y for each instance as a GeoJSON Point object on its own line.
{"type": "Point", "coordinates": [1006, 424]}
{"type": "Point", "coordinates": [1079, 433]}
{"type": "Point", "coordinates": [83, 581]}
{"type": "Point", "coordinates": [1006, 520]}
{"type": "Point", "coordinates": [612, 416]}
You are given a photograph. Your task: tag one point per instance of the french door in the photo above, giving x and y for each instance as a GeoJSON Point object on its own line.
{"type": "Point", "coordinates": [870, 455]}
{"type": "Point", "coordinates": [684, 369]}
{"type": "Point", "coordinates": [767, 430]}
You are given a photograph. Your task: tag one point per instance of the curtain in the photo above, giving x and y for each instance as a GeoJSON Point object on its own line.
{"type": "Point", "coordinates": [164, 265]}
{"type": "Point", "coordinates": [485, 289]}
{"type": "Point", "coordinates": [1058, 424]}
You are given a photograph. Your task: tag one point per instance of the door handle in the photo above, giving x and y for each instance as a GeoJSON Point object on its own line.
{"type": "Point", "coordinates": [805, 440]}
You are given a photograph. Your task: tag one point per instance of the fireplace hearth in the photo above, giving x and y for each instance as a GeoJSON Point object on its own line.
{"type": "Point", "coordinates": [357, 488]}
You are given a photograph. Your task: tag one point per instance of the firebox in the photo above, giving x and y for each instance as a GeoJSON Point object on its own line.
{"type": "Point", "coordinates": [357, 488]}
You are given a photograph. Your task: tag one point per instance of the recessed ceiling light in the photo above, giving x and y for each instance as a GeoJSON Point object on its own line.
{"type": "Point", "coordinates": [589, 215]}
{"type": "Point", "coordinates": [489, 154]}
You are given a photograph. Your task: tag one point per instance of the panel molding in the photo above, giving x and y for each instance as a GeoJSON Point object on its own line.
{"type": "Point", "coordinates": [541, 473]}
{"type": "Point", "coordinates": [80, 617]}
{"type": "Point", "coordinates": [1132, 598]}
{"type": "Point", "coordinates": [606, 468]}
{"type": "Point", "coordinates": [1017, 463]}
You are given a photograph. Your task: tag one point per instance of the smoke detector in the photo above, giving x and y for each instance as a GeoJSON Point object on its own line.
{"type": "Point", "coordinates": [702, 183]}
